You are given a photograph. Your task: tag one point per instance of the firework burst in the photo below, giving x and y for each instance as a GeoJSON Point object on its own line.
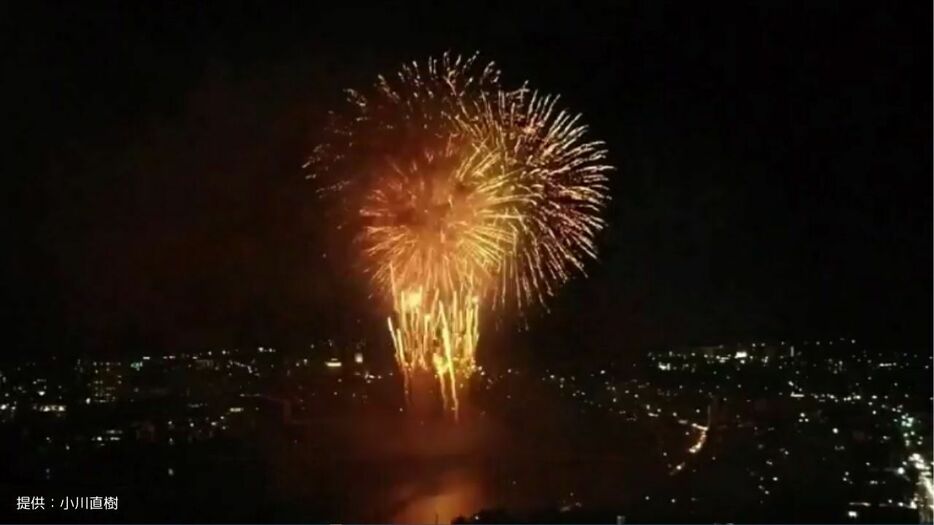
{"type": "Point", "coordinates": [463, 194]}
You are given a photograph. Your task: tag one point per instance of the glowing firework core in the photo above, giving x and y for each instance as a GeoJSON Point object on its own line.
{"type": "Point", "coordinates": [468, 195]}
{"type": "Point", "coordinates": [434, 229]}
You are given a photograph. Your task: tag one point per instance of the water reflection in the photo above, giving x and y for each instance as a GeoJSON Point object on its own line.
{"type": "Point", "coordinates": [380, 470]}
{"type": "Point", "coordinates": [440, 499]}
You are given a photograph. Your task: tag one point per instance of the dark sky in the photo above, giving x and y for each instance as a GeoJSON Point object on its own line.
{"type": "Point", "coordinates": [774, 166]}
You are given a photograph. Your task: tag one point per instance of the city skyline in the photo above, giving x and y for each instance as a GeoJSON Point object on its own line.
{"type": "Point", "coordinates": [703, 418]}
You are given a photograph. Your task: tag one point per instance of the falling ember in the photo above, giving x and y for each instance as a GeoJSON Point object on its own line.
{"type": "Point", "coordinates": [463, 195]}
{"type": "Point", "coordinates": [437, 334]}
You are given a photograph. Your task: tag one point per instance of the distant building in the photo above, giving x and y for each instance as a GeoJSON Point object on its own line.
{"type": "Point", "coordinates": [104, 381]}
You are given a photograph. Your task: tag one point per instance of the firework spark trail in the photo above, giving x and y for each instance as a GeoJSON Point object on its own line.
{"type": "Point", "coordinates": [465, 194]}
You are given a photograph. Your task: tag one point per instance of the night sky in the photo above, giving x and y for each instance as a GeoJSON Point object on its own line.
{"type": "Point", "coordinates": [774, 168]}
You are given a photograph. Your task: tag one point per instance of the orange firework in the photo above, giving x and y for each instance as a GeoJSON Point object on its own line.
{"type": "Point", "coordinates": [467, 194]}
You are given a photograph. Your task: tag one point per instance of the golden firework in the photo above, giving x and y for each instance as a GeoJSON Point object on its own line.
{"type": "Point", "coordinates": [467, 194]}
